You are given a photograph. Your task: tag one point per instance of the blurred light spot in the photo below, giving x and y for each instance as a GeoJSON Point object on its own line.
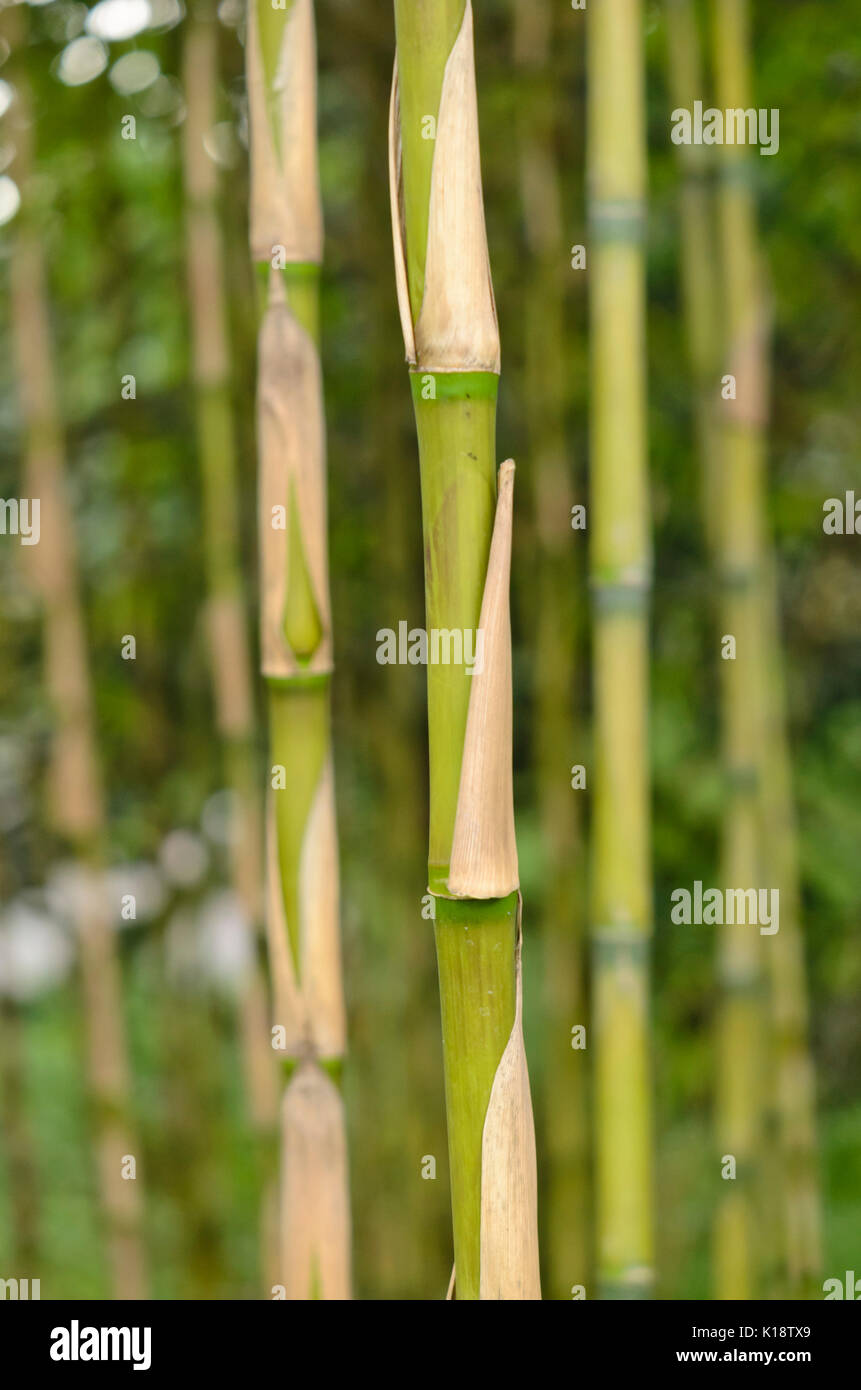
{"type": "Point", "coordinates": [223, 940]}
{"type": "Point", "coordinates": [144, 883]}
{"type": "Point", "coordinates": [75, 20]}
{"type": "Point", "coordinates": [166, 14]}
{"type": "Point", "coordinates": [183, 857]}
{"type": "Point", "coordinates": [7, 92]}
{"type": "Point", "coordinates": [115, 20]}
{"type": "Point", "coordinates": [230, 12]}
{"type": "Point", "coordinates": [217, 817]}
{"type": "Point", "coordinates": [222, 145]}
{"type": "Point", "coordinates": [80, 61]}
{"type": "Point", "coordinates": [134, 72]}
{"type": "Point", "coordinates": [163, 98]}
{"type": "Point", "coordinates": [35, 952]}
{"type": "Point", "coordinates": [10, 199]}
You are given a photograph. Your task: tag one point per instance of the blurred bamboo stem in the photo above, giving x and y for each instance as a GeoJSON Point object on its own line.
{"type": "Point", "coordinates": [741, 1039]}
{"type": "Point", "coordinates": [452, 346]}
{"type": "Point", "coordinates": [758, 758]}
{"type": "Point", "coordinates": [229, 643]}
{"type": "Point", "coordinates": [296, 642]}
{"type": "Point", "coordinates": [21, 1164]}
{"type": "Point", "coordinates": [699, 251]}
{"type": "Point", "coordinates": [565, 1219]}
{"type": "Point", "coordinates": [76, 797]}
{"type": "Point", "coordinates": [621, 578]}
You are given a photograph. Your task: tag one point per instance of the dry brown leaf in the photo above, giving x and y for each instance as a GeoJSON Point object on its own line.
{"type": "Point", "coordinates": [484, 850]}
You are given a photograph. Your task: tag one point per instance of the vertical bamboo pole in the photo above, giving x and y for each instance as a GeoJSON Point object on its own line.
{"type": "Point", "coordinates": [740, 550]}
{"type": "Point", "coordinates": [452, 346]}
{"type": "Point", "coordinates": [296, 649]}
{"type": "Point", "coordinates": [76, 796]}
{"type": "Point", "coordinates": [795, 1081]}
{"type": "Point", "coordinates": [621, 577]}
{"type": "Point", "coordinates": [563, 1121]}
{"type": "Point", "coordinates": [22, 1174]}
{"type": "Point", "coordinates": [759, 765]}
{"type": "Point", "coordinates": [230, 648]}
{"type": "Point", "coordinates": [699, 256]}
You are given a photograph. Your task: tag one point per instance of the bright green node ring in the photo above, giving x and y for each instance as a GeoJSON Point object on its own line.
{"type": "Point", "coordinates": [453, 386]}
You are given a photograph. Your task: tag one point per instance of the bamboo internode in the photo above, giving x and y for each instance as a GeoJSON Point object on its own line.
{"type": "Point", "coordinates": [620, 560]}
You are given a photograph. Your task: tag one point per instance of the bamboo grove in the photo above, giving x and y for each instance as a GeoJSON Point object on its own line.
{"type": "Point", "coordinates": [446, 1025]}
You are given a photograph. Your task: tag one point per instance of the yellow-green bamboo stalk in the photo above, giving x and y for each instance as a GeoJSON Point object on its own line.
{"type": "Point", "coordinates": [794, 1077]}
{"type": "Point", "coordinates": [76, 798]}
{"type": "Point", "coordinates": [296, 649]}
{"type": "Point", "coordinates": [750, 575]}
{"type": "Point", "coordinates": [452, 345]}
{"type": "Point", "coordinates": [621, 576]}
{"type": "Point", "coordinates": [563, 1122]}
{"type": "Point", "coordinates": [700, 279]}
{"type": "Point", "coordinates": [741, 1038]}
{"type": "Point", "coordinates": [230, 648]}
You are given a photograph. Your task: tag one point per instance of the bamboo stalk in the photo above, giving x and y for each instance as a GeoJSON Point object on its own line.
{"type": "Point", "coordinates": [621, 576]}
{"type": "Point", "coordinates": [76, 796]}
{"type": "Point", "coordinates": [740, 552]}
{"type": "Point", "coordinates": [563, 1121]}
{"type": "Point", "coordinates": [795, 1080]}
{"type": "Point", "coordinates": [452, 346]}
{"type": "Point", "coordinates": [699, 257]}
{"type": "Point", "coordinates": [230, 647]}
{"type": "Point", "coordinates": [21, 1163]}
{"type": "Point", "coordinates": [759, 761]}
{"type": "Point", "coordinates": [296, 642]}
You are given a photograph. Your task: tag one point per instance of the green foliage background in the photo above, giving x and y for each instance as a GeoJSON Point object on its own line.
{"type": "Point", "coordinates": [111, 215]}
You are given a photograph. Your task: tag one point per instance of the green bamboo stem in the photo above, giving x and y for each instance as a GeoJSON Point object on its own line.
{"type": "Point", "coordinates": [559, 630]}
{"type": "Point", "coordinates": [298, 683]}
{"type": "Point", "coordinates": [621, 575]}
{"type": "Point", "coordinates": [76, 796]}
{"type": "Point", "coordinates": [455, 423]}
{"type": "Point", "coordinates": [756, 732]}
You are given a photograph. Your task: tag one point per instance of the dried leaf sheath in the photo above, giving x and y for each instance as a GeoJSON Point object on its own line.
{"type": "Point", "coordinates": [309, 1002]}
{"type": "Point", "coordinates": [285, 189]}
{"type": "Point", "coordinates": [291, 445]}
{"type": "Point", "coordinates": [456, 329]}
{"type": "Point", "coordinates": [509, 1178]}
{"type": "Point", "coordinates": [484, 851]}
{"type": "Point", "coordinates": [315, 1253]}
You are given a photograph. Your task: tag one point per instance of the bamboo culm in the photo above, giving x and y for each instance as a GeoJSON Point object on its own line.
{"type": "Point", "coordinates": [452, 346]}
{"type": "Point", "coordinates": [764, 1010]}
{"type": "Point", "coordinates": [620, 561]}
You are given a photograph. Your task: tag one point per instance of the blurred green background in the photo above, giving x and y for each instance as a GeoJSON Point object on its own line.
{"type": "Point", "coordinates": [111, 216]}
